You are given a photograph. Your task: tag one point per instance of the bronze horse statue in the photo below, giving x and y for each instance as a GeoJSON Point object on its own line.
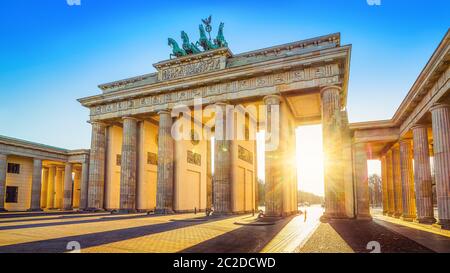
{"type": "Point", "coordinates": [189, 47]}
{"type": "Point", "coordinates": [176, 50]}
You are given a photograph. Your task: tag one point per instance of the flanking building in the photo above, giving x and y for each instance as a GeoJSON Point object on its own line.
{"type": "Point", "coordinates": [35, 177]}
{"type": "Point", "coordinates": [219, 101]}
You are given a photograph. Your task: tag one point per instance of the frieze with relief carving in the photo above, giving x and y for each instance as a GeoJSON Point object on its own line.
{"type": "Point", "coordinates": [245, 155]}
{"type": "Point", "coordinates": [194, 158]}
{"type": "Point", "coordinates": [180, 71]}
{"type": "Point", "coordinates": [322, 75]}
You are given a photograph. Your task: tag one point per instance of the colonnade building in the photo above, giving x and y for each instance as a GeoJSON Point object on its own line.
{"type": "Point", "coordinates": [184, 139]}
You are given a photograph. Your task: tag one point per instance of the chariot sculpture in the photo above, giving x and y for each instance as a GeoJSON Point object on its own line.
{"type": "Point", "coordinates": [204, 41]}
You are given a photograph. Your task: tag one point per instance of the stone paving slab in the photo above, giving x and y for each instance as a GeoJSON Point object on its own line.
{"type": "Point", "coordinates": [346, 236]}
{"type": "Point", "coordinates": [433, 240]}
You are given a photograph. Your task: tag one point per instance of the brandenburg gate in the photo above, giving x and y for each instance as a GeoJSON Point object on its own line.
{"type": "Point", "coordinates": [220, 101]}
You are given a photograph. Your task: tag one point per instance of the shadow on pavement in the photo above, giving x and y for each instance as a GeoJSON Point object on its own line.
{"type": "Point", "coordinates": [246, 239]}
{"type": "Point", "coordinates": [358, 233]}
{"type": "Point", "coordinates": [59, 245]}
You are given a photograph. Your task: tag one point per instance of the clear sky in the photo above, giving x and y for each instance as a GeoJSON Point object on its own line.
{"type": "Point", "coordinates": [52, 53]}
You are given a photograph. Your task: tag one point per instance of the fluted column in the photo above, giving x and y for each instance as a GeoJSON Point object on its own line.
{"type": "Point", "coordinates": [3, 170]}
{"type": "Point", "coordinates": [51, 187]}
{"type": "Point", "coordinates": [128, 166]}
{"type": "Point", "coordinates": [36, 180]}
{"type": "Point", "coordinates": [222, 162]}
{"type": "Point", "coordinates": [97, 167]}
{"type": "Point", "coordinates": [44, 188]}
{"type": "Point", "coordinates": [68, 192]}
{"type": "Point", "coordinates": [441, 139]}
{"type": "Point", "coordinates": [409, 200]}
{"type": "Point", "coordinates": [59, 188]}
{"type": "Point", "coordinates": [362, 183]}
{"type": "Point", "coordinates": [422, 176]}
{"type": "Point", "coordinates": [390, 183]}
{"type": "Point", "coordinates": [76, 188]}
{"type": "Point", "coordinates": [384, 183]}
{"type": "Point", "coordinates": [84, 184]}
{"type": "Point", "coordinates": [332, 144]}
{"type": "Point", "coordinates": [164, 191]}
{"type": "Point", "coordinates": [397, 181]}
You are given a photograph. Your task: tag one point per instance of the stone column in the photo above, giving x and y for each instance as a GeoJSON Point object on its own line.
{"type": "Point", "coordinates": [422, 175]}
{"type": "Point", "coordinates": [332, 144]}
{"type": "Point", "coordinates": [59, 188]}
{"type": "Point", "coordinates": [409, 201]}
{"type": "Point", "coordinates": [97, 167]}
{"type": "Point", "coordinates": [222, 161]}
{"type": "Point", "coordinates": [84, 184]}
{"type": "Point", "coordinates": [51, 187]}
{"type": "Point", "coordinates": [44, 188]}
{"type": "Point", "coordinates": [164, 191]}
{"type": "Point", "coordinates": [384, 182]}
{"type": "Point", "coordinates": [68, 192]}
{"type": "Point", "coordinates": [362, 183]}
{"type": "Point", "coordinates": [3, 170]}
{"type": "Point", "coordinates": [397, 181]}
{"type": "Point", "coordinates": [390, 183]}
{"type": "Point", "coordinates": [36, 187]}
{"type": "Point", "coordinates": [76, 188]}
{"type": "Point", "coordinates": [209, 175]}
{"type": "Point", "coordinates": [441, 137]}
{"type": "Point", "coordinates": [128, 166]}
{"type": "Point", "coordinates": [273, 157]}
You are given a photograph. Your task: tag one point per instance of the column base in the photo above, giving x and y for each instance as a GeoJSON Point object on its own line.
{"type": "Point", "coordinates": [443, 224]}
{"type": "Point", "coordinates": [35, 210]}
{"type": "Point", "coordinates": [426, 220]}
{"type": "Point", "coordinates": [327, 217]}
{"type": "Point", "coordinates": [145, 211]}
{"type": "Point", "coordinates": [385, 213]}
{"type": "Point", "coordinates": [3, 210]}
{"type": "Point", "coordinates": [397, 215]}
{"type": "Point", "coordinates": [124, 211]}
{"type": "Point", "coordinates": [94, 210]}
{"type": "Point", "coordinates": [164, 211]}
{"type": "Point", "coordinates": [364, 217]}
{"type": "Point", "coordinates": [408, 218]}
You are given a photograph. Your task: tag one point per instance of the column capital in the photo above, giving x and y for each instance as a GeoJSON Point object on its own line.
{"type": "Point", "coordinates": [130, 118]}
{"type": "Point", "coordinates": [221, 103]}
{"type": "Point", "coordinates": [97, 122]}
{"type": "Point", "coordinates": [395, 146]}
{"type": "Point", "coordinates": [164, 112]}
{"type": "Point", "coordinates": [419, 126]}
{"type": "Point", "coordinates": [438, 106]}
{"type": "Point", "coordinates": [405, 141]}
{"type": "Point", "coordinates": [272, 100]}
{"type": "Point", "coordinates": [330, 87]}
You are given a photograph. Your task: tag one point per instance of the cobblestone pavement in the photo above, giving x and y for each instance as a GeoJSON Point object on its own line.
{"type": "Point", "coordinates": [103, 232]}
{"type": "Point", "coordinates": [350, 236]}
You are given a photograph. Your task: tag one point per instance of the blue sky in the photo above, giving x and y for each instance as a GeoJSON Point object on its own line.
{"type": "Point", "coordinates": [52, 53]}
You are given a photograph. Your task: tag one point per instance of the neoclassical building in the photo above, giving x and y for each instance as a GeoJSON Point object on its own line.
{"type": "Point", "coordinates": [35, 176]}
{"type": "Point", "coordinates": [136, 164]}
{"type": "Point", "coordinates": [183, 138]}
{"type": "Point", "coordinates": [419, 130]}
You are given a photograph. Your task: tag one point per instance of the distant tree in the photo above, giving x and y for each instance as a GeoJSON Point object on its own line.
{"type": "Point", "coordinates": [375, 191]}
{"type": "Point", "coordinates": [261, 192]}
{"type": "Point", "coordinates": [309, 197]}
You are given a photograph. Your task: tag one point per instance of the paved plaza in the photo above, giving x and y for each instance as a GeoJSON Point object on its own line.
{"type": "Point", "coordinates": [51, 232]}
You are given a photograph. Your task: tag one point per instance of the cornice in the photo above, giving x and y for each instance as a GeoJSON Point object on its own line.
{"type": "Point", "coordinates": [227, 74]}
